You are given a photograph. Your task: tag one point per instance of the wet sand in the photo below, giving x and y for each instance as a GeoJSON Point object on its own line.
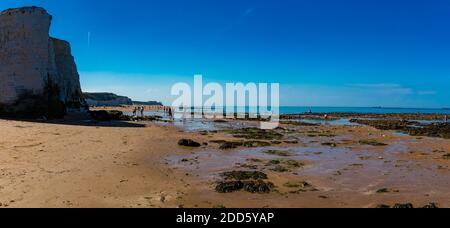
{"type": "Point", "coordinates": [411, 170]}
{"type": "Point", "coordinates": [87, 164]}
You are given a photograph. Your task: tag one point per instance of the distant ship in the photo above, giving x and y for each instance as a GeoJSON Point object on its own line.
{"type": "Point", "coordinates": [377, 107]}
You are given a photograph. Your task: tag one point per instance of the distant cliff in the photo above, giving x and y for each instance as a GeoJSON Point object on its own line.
{"type": "Point", "coordinates": [111, 99]}
{"type": "Point", "coordinates": [38, 74]}
{"type": "Point", "coordinates": [152, 103]}
{"type": "Point", "coordinates": [106, 99]}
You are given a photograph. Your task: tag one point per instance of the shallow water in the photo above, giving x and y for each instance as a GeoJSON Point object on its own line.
{"type": "Point", "coordinates": [197, 125]}
{"type": "Point", "coordinates": [398, 133]}
{"type": "Point", "coordinates": [348, 173]}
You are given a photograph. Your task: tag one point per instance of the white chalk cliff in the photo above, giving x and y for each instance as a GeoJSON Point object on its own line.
{"type": "Point", "coordinates": [38, 74]}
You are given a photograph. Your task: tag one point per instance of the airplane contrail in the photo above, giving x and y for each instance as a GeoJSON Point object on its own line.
{"type": "Point", "coordinates": [89, 39]}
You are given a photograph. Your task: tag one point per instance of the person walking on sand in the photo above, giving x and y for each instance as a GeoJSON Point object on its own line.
{"type": "Point", "coordinates": [135, 112]}
{"type": "Point", "coordinates": [142, 111]}
{"type": "Point", "coordinates": [446, 118]}
{"type": "Point", "coordinates": [170, 113]}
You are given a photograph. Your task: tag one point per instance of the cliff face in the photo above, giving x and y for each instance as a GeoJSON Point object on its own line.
{"type": "Point", "coordinates": [67, 78]}
{"type": "Point", "coordinates": [38, 75]}
{"type": "Point", "coordinates": [23, 52]}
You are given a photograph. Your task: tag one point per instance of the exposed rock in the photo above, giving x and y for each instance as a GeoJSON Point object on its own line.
{"type": "Point", "coordinates": [403, 206]}
{"type": "Point", "coordinates": [254, 144]}
{"type": "Point", "coordinates": [249, 186]}
{"type": "Point", "coordinates": [104, 115]}
{"type": "Point", "coordinates": [282, 166]}
{"type": "Point", "coordinates": [431, 206]}
{"type": "Point", "coordinates": [294, 163]}
{"type": "Point", "coordinates": [229, 186]}
{"type": "Point", "coordinates": [385, 124]}
{"type": "Point", "coordinates": [109, 115]}
{"type": "Point", "coordinates": [387, 190]}
{"type": "Point", "coordinates": [280, 153]}
{"type": "Point", "coordinates": [440, 130]}
{"type": "Point", "coordinates": [414, 128]}
{"type": "Point", "coordinates": [256, 133]}
{"type": "Point", "coordinates": [244, 175]}
{"type": "Point", "coordinates": [330, 144]}
{"type": "Point", "coordinates": [280, 169]}
{"type": "Point", "coordinates": [383, 206]}
{"type": "Point", "coordinates": [301, 186]}
{"type": "Point", "coordinates": [383, 190]}
{"type": "Point", "coordinates": [38, 75]}
{"type": "Point", "coordinates": [258, 186]}
{"type": "Point", "coordinates": [230, 145]}
{"type": "Point", "coordinates": [372, 142]}
{"type": "Point", "coordinates": [250, 181]}
{"type": "Point", "coordinates": [408, 206]}
{"type": "Point", "coordinates": [188, 143]}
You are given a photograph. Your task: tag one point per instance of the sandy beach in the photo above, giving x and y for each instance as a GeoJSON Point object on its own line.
{"type": "Point", "coordinates": [78, 162]}
{"type": "Point", "coordinates": [269, 104]}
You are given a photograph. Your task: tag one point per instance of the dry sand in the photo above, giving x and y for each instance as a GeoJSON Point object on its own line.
{"type": "Point", "coordinates": [58, 165]}
{"type": "Point", "coordinates": [80, 164]}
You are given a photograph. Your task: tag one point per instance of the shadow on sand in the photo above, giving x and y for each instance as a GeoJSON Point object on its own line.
{"type": "Point", "coordinates": [77, 119]}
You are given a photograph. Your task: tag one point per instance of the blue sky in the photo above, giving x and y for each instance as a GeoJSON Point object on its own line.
{"type": "Point", "coordinates": [323, 52]}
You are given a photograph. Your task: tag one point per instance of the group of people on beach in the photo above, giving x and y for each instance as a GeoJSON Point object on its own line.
{"type": "Point", "coordinates": [138, 111]}
{"type": "Point", "coordinates": [168, 111]}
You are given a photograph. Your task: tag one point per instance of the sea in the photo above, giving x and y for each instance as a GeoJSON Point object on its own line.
{"type": "Point", "coordinates": [324, 110]}
{"type": "Point", "coordinates": [366, 110]}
